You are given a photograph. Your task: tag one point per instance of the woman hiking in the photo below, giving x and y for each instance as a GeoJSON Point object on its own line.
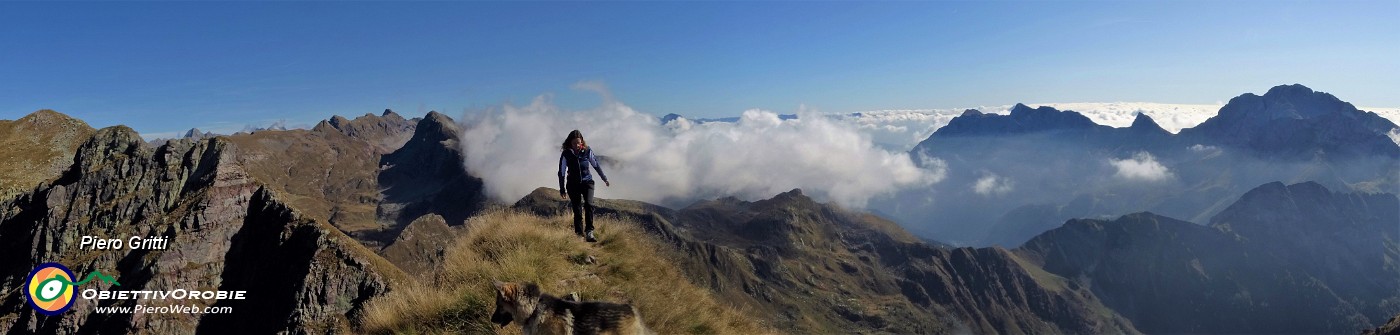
{"type": "Point", "coordinates": [577, 184]}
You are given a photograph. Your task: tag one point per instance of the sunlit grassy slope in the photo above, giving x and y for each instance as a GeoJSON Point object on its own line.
{"type": "Point", "coordinates": [626, 265]}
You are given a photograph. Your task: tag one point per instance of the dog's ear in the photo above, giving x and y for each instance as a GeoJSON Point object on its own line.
{"type": "Point", "coordinates": [532, 290]}
{"type": "Point", "coordinates": [506, 290]}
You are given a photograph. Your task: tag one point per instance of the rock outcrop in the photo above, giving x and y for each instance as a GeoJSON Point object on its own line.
{"type": "Point", "coordinates": [1391, 327]}
{"type": "Point", "coordinates": [421, 246]}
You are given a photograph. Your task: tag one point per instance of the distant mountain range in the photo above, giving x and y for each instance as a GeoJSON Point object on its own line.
{"type": "Point", "coordinates": [902, 129]}
{"type": "Point", "coordinates": [1056, 165]}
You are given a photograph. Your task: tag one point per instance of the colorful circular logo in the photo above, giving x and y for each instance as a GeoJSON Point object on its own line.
{"type": "Point", "coordinates": [50, 288]}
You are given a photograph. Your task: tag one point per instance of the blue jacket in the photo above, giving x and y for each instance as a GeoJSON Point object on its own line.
{"type": "Point", "coordinates": [573, 167]}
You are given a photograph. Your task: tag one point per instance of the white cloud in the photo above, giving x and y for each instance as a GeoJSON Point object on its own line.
{"type": "Point", "coordinates": [1205, 150]}
{"type": "Point", "coordinates": [1141, 167]}
{"type": "Point", "coordinates": [1394, 135]}
{"type": "Point", "coordinates": [515, 149]}
{"type": "Point", "coordinates": [992, 184]}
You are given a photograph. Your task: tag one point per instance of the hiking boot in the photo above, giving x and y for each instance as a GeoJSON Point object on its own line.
{"type": "Point", "coordinates": [589, 237]}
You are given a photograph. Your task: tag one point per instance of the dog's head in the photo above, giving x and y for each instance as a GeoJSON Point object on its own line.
{"type": "Point", "coordinates": [514, 301]}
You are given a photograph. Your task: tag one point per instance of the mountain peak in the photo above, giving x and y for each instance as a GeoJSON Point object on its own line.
{"type": "Point", "coordinates": [1289, 90]}
{"type": "Point", "coordinates": [106, 144]}
{"type": "Point", "coordinates": [1142, 122]}
{"type": "Point", "coordinates": [49, 116]}
{"type": "Point", "coordinates": [38, 147]}
{"type": "Point", "coordinates": [339, 122]}
{"type": "Point", "coordinates": [794, 194]}
{"type": "Point", "coordinates": [323, 126]}
{"type": "Point", "coordinates": [1020, 108]}
{"type": "Point", "coordinates": [1285, 101]}
{"type": "Point", "coordinates": [195, 134]}
{"type": "Point", "coordinates": [1022, 119]}
{"type": "Point", "coordinates": [1296, 122]}
{"type": "Point", "coordinates": [1276, 189]}
{"type": "Point", "coordinates": [438, 117]}
{"type": "Point", "coordinates": [437, 123]}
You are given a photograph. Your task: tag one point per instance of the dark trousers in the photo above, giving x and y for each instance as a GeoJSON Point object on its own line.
{"type": "Point", "coordinates": [581, 199]}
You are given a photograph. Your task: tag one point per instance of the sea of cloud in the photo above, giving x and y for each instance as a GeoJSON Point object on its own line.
{"type": "Point", "coordinates": [516, 149]}
{"type": "Point", "coordinates": [848, 158]}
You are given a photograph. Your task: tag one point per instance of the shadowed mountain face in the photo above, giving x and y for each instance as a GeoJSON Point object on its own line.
{"type": "Point", "coordinates": [1010, 177]}
{"type": "Point", "coordinates": [426, 175]}
{"type": "Point", "coordinates": [1282, 259]}
{"type": "Point", "coordinates": [815, 268]}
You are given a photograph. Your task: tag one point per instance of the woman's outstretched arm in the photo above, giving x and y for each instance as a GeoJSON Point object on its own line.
{"type": "Point", "coordinates": [594, 160]}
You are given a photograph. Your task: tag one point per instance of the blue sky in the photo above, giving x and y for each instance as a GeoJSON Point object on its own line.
{"type": "Point", "coordinates": [163, 67]}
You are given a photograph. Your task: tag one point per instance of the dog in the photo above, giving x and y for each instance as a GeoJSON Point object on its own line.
{"type": "Point", "coordinates": [544, 314]}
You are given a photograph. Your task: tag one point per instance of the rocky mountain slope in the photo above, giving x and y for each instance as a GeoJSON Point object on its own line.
{"type": "Point", "coordinates": [349, 173]}
{"type": "Point", "coordinates": [227, 232]}
{"type": "Point", "coordinates": [816, 268]}
{"type": "Point", "coordinates": [1295, 258]}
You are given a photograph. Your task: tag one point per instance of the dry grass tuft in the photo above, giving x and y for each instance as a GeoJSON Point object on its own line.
{"type": "Point", "coordinates": [626, 265]}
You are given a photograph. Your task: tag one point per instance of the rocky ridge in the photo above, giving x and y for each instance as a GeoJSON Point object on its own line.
{"type": "Point", "coordinates": [219, 220]}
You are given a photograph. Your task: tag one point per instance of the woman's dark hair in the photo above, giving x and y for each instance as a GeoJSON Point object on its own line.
{"type": "Point", "coordinates": [569, 141]}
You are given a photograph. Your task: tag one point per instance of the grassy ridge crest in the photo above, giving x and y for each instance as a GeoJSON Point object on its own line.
{"type": "Point", "coordinates": [626, 265]}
